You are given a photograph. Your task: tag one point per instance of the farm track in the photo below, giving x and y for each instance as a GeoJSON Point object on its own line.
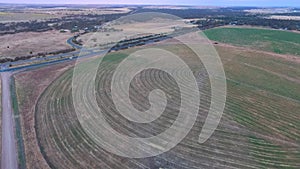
{"type": "Point", "coordinates": [266, 142]}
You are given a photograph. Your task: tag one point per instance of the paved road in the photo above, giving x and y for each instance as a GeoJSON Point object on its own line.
{"type": "Point", "coordinates": [74, 45]}
{"type": "Point", "coordinates": [9, 155]}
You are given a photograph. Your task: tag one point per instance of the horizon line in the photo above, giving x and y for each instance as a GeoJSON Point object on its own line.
{"type": "Point", "coordinates": [138, 4]}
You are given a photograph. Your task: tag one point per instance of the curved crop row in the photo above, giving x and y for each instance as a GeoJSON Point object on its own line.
{"type": "Point", "coordinates": [65, 144]}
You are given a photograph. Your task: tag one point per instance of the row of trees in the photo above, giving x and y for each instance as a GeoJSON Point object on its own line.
{"type": "Point", "coordinates": [4, 60]}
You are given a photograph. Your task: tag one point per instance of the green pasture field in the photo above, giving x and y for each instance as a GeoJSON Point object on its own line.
{"type": "Point", "coordinates": [277, 41]}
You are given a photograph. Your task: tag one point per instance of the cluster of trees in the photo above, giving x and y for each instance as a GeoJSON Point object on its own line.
{"type": "Point", "coordinates": [16, 27]}
{"type": "Point", "coordinates": [139, 41]}
{"type": "Point", "coordinates": [290, 14]}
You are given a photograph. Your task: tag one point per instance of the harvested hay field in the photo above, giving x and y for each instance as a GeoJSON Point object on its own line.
{"type": "Point", "coordinates": [31, 43]}
{"type": "Point", "coordinates": [259, 128]}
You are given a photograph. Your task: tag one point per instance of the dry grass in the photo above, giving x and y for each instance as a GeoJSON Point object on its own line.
{"type": "Point", "coordinates": [22, 44]}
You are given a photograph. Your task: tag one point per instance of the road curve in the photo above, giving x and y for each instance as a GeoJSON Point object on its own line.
{"type": "Point", "coordinates": [9, 153]}
{"type": "Point", "coordinates": [72, 44]}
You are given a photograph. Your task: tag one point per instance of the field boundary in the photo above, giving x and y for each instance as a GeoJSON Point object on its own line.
{"type": "Point", "coordinates": [18, 129]}
{"type": "Point", "coordinates": [35, 113]}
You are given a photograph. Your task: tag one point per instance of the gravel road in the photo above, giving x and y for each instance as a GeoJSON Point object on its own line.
{"type": "Point", "coordinates": [9, 155]}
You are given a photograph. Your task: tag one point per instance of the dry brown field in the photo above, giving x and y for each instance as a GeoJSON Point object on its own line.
{"type": "Point", "coordinates": [30, 43]}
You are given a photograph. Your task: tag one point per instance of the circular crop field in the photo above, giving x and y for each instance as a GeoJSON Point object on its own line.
{"type": "Point", "coordinates": [64, 143]}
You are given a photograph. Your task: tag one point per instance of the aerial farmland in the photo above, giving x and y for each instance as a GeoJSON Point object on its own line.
{"type": "Point", "coordinates": [149, 87]}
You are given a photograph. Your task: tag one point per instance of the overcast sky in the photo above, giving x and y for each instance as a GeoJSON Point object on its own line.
{"type": "Point", "coordinates": [291, 3]}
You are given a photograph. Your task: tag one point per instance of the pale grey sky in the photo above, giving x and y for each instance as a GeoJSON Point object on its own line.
{"type": "Point", "coordinates": [291, 3]}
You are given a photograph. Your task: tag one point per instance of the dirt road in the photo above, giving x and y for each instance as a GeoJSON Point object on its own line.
{"type": "Point", "coordinates": [9, 155]}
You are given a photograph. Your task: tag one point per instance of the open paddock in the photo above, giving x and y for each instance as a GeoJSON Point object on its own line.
{"type": "Point", "coordinates": [32, 43]}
